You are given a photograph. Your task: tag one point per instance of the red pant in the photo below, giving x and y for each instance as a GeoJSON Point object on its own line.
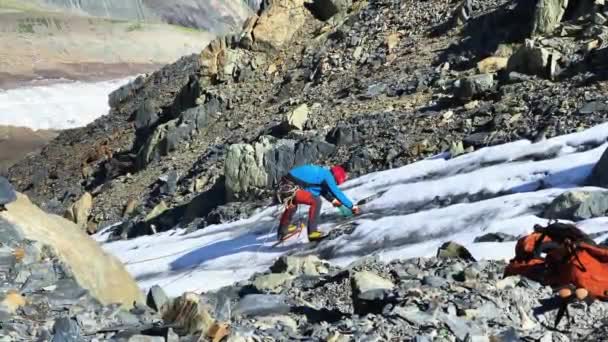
{"type": "Point", "coordinates": [302, 197]}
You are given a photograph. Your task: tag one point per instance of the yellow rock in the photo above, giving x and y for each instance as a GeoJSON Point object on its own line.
{"type": "Point", "coordinates": [492, 64]}
{"type": "Point", "coordinates": [392, 40]}
{"type": "Point", "coordinates": [79, 211]}
{"type": "Point", "coordinates": [13, 301]}
{"type": "Point", "coordinates": [102, 274]}
{"type": "Point", "coordinates": [279, 24]}
{"type": "Point", "coordinates": [189, 315]}
{"type": "Point", "coordinates": [158, 209]}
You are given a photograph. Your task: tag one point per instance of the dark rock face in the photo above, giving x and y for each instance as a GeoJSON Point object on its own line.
{"type": "Point", "coordinates": [7, 192]}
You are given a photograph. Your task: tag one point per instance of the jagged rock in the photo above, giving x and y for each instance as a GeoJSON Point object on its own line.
{"type": "Point", "coordinates": [80, 211]}
{"type": "Point", "coordinates": [7, 193]}
{"type": "Point", "coordinates": [169, 185]}
{"type": "Point", "coordinates": [599, 175]}
{"type": "Point", "coordinates": [261, 305]}
{"type": "Point", "coordinates": [492, 64]}
{"type": "Point", "coordinates": [454, 250]}
{"type": "Point", "coordinates": [277, 26]}
{"type": "Point", "coordinates": [218, 331]}
{"type": "Point", "coordinates": [261, 165]}
{"type": "Point", "coordinates": [532, 59]}
{"type": "Point", "coordinates": [101, 274]}
{"type": "Point", "coordinates": [297, 117]}
{"type": "Point", "coordinates": [473, 86]}
{"type": "Point", "coordinates": [495, 237]}
{"type": "Point", "coordinates": [157, 299]}
{"type": "Point", "coordinates": [146, 115]}
{"type": "Point", "coordinates": [244, 168]}
{"type": "Point", "coordinates": [66, 330]}
{"type": "Point", "coordinates": [365, 281]}
{"type": "Point", "coordinates": [326, 9]}
{"type": "Point", "coordinates": [271, 282]}
{"type": "Point", "coordinates": [130, 207]}
{"type": "Point", "coordinates": [156, 211]}
{"type": "Point", "coordinates": [309, 265]}
{"type": "Point", "coordinates": [547, 16]}
{"type": "Point", "coordinates": [578, 205]}
{"type": "Point", "coordinates": [189, 314]}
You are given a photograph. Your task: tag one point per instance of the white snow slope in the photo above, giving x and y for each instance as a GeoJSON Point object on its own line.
{"type": "Point", "coordinates": [57, 106]}
{"type": "Point", "coordinates": [418, 207]}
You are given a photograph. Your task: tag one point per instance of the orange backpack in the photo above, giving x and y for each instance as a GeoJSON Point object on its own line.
{"type": "Point", "coordinates": [572, 259]}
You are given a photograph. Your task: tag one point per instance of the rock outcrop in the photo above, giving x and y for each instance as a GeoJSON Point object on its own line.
{"type": "Point", "coordinates": [93, 269]}
{"type": "Point", "coordinates": [250, 168]}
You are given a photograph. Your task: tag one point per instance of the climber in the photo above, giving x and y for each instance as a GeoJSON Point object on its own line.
{"type": "Point", "coordinates": [304, 185]}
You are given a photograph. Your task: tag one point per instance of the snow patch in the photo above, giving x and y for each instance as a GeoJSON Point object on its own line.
{"type": "Point", "coordinates": [416, 208]}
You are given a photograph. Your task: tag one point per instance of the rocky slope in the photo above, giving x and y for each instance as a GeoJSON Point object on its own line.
{"type": "Point", "coordinates": [373, 85]}
{"type": "Point", "coordinates": [16, 142]}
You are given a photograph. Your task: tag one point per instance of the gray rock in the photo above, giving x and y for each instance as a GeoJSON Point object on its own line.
{"type": "Point", "coordinates": [599, 19]}
{"type": "Point", "coordinates": [157, 298]}
{"type": "Point", "coordinates": [172, 336]}
{"type": "Point", "coordinates": [343, 135]}
{"type": "Point", "coordinates": [548, 15]}
{"type": "Point", "coordinates": [599, 175]}
{"type": "Point", "coordinates": [453, 250]}
{"type": "Point", "coordinates": [578, 205]}
{"type": "Point", "coordinates": [271, 282]}
{"type": "Point", "coordinates": [146, 116]}
{"type": "Point", "coordinates": [593, 107]}
{"type": "Point", "coordinates": [477, 140]}
{"type": "Point", "coordinates": [309, 265]}
{"type": "Point", "coordinates": [66, 330]}
{"type": "Point", "coordinates": [7, 193]}
{"type": "Point", "coordinates": [532, 59]}
{"type": "Point", "coordinates": [261, 305]}
{"type": "Point", "coordinates": [169, 185]}
{"type": "Point", "coordinates": [495, 237]}
{"type": "Point", "coordinates": [434, 281]}
{"type": "Point", "coordinates": [7, 259]}
{"type": "Point", "coordinates": [473, 86]}
{"type": "Point", "coordinates": [365, 281]}
{"type": "Point", "coordinates": [460, 327]}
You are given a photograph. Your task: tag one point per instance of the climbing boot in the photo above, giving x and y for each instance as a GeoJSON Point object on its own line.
{"type": "Point", "coordinates": [315, 236]}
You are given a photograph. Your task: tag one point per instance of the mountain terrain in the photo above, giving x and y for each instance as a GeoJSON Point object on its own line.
{"type": "Point", "coordinates": [462, 125]}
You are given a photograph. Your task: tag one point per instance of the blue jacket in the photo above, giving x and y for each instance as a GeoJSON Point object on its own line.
{"type": "Point", "coordinates": [316, 180]}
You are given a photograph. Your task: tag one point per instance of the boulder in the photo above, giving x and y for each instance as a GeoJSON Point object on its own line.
{"type": "Point", "coordinates": [326, 9]}
{"type": "Point", "coordinates": [599, 175]}
{"type": "Point", "coordinates": [188, 315]}
{"type": "Point", "coordinates": [80, 211]}
{"type": "Point", "coordinates": [343, 135]}
{"type": "Point", "coordinates": [297, 117]}
{"type": "Point", "coordinates": [259, 166]}
{"type": "Point", "coordinates": [492, 64]}
{"type": "Point", "coordinates": [364, 281]}
{"type": "Point", "coordinates": [453, 250]}
{"type": "Point", "coordinates": [277, 26]}
{"type": "Point", "coordinates": [271, 282]}
{"type": "Point", "coordinates": [547, 16]}
{"type": "Point", "coordinates": [370, 292]}
{"type": "Point", "coordinates": [578, 205]}
{"type": "Point", "coordinates": [310, 265]}
{"type": "Point", "coordinates": [157, 299]}
{"type": "Point", "coordinates": [156, 211]}
{"type": "Point", "coordinates": [244, 167]}
{"type": "Point", "coordinates": [7, 193]}
{"type": "Point", "coordinates": [474, 86]}
{"type": "Point", "coordinates": [102, 275]}
{"type": "Point", "coordinates": [261, 305]}
{"type": "Point", "coordinates": [536, 60]}
{"type": "Point", "coordinates": [166, 137]}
